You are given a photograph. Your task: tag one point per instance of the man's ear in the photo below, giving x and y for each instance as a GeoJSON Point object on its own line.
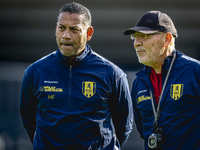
{"type": "Point", "coordinates": [90, 32]}
{"type": "Point", "coordinates": [168, 39]}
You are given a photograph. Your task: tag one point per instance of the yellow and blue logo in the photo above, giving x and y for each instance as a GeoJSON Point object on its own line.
{"type": "Point", "coordinates": [88, 88]}
{"type": "Point", "coordinates": [176, 91]}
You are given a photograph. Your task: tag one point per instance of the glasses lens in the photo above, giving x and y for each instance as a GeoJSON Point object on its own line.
{"type": "Point", "coordinates": [143, 36]}
{"type": "Point", "coordinates": [132, 37]}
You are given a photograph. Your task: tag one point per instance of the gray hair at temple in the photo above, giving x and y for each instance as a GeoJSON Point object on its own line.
{"type": "Point", "coordinates": [76, 8]}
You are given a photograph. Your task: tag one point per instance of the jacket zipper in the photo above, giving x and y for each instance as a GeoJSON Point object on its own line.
{"type": "Point", "coordinates": [70, 85]}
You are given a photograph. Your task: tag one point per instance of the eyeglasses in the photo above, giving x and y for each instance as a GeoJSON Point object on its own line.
{"type": "Point", "coordinates": [143, 36]}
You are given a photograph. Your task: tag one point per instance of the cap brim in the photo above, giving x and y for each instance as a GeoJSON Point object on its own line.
{"type": "Point", "coordinates": [144, 30]}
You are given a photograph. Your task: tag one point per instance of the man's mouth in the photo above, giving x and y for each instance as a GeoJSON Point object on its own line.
{"type": "Point", "coordinates": [67, 44]}
{"type": "Point", "coordinates": [140, 51]}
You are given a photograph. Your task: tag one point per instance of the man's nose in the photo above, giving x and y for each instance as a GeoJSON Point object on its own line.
{"type": "Point", "coordinates": [66, 35]}
{"type": "Point", "coordinates": [137, 42]}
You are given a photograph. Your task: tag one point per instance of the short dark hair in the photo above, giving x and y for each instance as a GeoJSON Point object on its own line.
{"type": "Point", "coordinates": [76, 8]}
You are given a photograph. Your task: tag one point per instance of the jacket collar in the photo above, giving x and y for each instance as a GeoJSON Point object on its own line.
{"type": "Point", "coordinates": [77, 60]}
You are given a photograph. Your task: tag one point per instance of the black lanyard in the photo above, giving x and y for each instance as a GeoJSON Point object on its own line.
{"type": "Point", "coordinates": [157, 113]}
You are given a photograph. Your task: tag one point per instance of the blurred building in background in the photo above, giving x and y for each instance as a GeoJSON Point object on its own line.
{"type": "Point", "coordinates": [28, 33]}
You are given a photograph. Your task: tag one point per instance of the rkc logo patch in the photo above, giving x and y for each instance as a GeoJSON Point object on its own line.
{"type": "Point", "coordinates": [88, 88]}
{"type": "Point", "coordinates": [176, 91]}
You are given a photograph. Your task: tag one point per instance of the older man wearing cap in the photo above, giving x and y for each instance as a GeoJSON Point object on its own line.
{"type": "Point", "coordinates": [166, 93]}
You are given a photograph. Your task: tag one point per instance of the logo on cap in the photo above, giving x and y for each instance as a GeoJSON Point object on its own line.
{"type": "Point", "coordinates": [149, 20]}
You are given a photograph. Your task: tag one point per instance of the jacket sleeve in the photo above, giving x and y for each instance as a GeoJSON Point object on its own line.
{"type": "Point", "coordinates": [28, 106]}
{"type": "Point", "coordinates": [122, 110]}
{"type": "Point", "coordinates": [136, 112]}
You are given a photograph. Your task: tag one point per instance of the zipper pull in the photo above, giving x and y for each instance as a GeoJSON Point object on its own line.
{"type": "Point", "coordinates": [70, 67]}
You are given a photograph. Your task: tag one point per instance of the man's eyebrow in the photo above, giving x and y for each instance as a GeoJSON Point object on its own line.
{"type": "Point", "coordinates": [74, 27]}
{"type": "Point", "coordinates": [60, 24]}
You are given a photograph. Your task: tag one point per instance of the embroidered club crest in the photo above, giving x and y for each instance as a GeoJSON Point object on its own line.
{"type": "Point", "coordinates": [88, 88]}
{"type": "Point", "coordinates": [176, 91]}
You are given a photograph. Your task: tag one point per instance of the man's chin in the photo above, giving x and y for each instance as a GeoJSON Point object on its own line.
{"type": "Point", "coordinates": [67, 53]}
{"type": "Point", "coordinates": [142, 61]}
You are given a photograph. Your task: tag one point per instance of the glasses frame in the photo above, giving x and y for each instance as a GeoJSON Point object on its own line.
{"type": "Point", "coordinates": [144, 36]}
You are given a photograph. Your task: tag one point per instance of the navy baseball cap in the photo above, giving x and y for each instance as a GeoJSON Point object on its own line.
{"type": "Point", "coordinates": [152, 22]}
